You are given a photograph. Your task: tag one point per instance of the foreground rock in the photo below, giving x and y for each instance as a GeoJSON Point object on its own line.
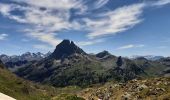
{"type": "Point", "coordinates": [150, 89]}
{"type": "Point", "coordinates": [5, 97]}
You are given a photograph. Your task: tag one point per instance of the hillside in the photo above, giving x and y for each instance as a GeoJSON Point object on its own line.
{"type": "Point", "coordinates": [21, 89]}
{"type": "Point", "coordinates": [150, 88]}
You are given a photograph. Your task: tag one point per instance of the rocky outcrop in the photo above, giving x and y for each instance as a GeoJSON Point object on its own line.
{"type": "Point", "coordinates": [151, 89]}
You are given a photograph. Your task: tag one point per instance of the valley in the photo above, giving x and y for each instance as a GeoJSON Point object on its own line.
{"type": "Point", "coordinates": [72, 73]}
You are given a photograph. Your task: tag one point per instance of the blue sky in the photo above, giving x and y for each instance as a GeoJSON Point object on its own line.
{"type": "Point", "coordinates": [123, 27]}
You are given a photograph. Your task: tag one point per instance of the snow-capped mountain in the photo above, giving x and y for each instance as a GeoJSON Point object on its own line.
{"type": "Point", "coordinates": [28, 56]}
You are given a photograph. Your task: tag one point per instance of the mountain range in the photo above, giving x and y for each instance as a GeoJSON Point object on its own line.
{"type": "Point", "coordinates": [70, 65]}
{"type": "Point", "coordinates": [69, 73]}
{"type": "Point", "coordinates": [148, 57]}
{"type": "Point", "coordinates": [26, 56]}
{"type": "Point", "coordinates": [16, 61]}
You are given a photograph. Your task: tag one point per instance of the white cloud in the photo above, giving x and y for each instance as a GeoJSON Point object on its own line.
{"type": "Point", "coordinates": [130, 46]}
{"type": "Point", "coordinates": [44, 23]}
{"type": "Point", "coordinates": [5, 10]}
{"type": "Point", "coordinates": [3, 36]}
{"type": "Point", "coordinates": [115, 21]}
{"type": "Point", "coordinates": [46, 38]}
{"type": "Point", "coordinates": [126, 47]}
{"type": "Point", "coordinates": [91, 42]}
{"type": "Point", "coordinates": [161, 2]}
{"type": "Point", "coordinates": [56, 15]}
{"type": "Point", "coordinates": [49, 17]}
{"type": "Point", "coordinates": [100, 3]}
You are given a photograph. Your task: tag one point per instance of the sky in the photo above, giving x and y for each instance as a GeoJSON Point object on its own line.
{"type": "Point", "coordinates": [122, 27]}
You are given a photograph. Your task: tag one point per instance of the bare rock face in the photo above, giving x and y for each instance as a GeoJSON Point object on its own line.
{"type": "Point", "coordinates": [65, 49]}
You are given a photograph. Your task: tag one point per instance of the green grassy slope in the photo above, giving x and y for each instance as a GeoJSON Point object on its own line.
{"type": "Point", "coordinates": [21, 89]}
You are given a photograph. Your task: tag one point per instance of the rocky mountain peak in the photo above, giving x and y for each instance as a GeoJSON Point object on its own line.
{"type": "Point", "coordinates": [65, 49]}
{"type": "Point", "coordinates": [103, 54]}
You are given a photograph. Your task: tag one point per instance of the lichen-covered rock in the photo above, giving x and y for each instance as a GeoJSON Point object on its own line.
{"type": "Point", "coordinates": [152, 89]}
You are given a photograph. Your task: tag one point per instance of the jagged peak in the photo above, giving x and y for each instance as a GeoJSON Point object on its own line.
{"type": "Point", "coordinates": [66, 41]}
{"type": "Point", "coordinates": [103, 54]}
{"type": "Point", "coordinates": [66, 48]}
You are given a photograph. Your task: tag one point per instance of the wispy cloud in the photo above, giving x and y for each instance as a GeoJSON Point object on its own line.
{"type": "Point", "coordinates": [5, 10]}
{"type": "Point", "coordinates": [130, 46]}
{"type": "Point", "coordinates": [161, 2]}
{"type": "Point", "coordinates": [91, 42]}
{"type": "Point", "coordinates": [139, 46]}
{"type": "Point", "coordinates": [100, 3]}
{"type": "Point", "coordinates": [44, 22]}
{"type": "Point", "coordinates": [112, 22]}
{"type": "Point", "coordinates": [3, 36]}
{"type": "Point", "coordinates": [48, 18]}
{"type": "Point", "coordinates": [46, 38]}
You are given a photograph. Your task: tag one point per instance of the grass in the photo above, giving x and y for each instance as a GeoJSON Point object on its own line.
{"type": "Point", "coordinates": [23, 90]}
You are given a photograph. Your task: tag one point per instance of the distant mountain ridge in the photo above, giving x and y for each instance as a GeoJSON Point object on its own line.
{"type": "Point", "coordinates": [14, 62]}
{"type": "Point", "coordinates": [148, 57]}
{"type": "Point", "coordinates": [26, 56]}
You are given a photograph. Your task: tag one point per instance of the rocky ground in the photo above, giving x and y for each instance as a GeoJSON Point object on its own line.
{"type": "Point", "coordinates": [148, 89]}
